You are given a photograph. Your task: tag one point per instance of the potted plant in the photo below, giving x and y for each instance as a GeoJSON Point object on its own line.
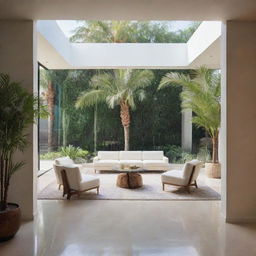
{"type": "Point", "coordinates": [201, 94]}
{"type": "Point", "coordinates": [18, 110]}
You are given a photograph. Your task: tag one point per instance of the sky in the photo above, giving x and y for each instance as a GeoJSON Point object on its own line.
{"type": "Point", "coordinates": [68, 25]}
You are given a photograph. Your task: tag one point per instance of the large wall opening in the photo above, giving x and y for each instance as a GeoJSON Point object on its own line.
{"type": "Point", "coordinates": [157, 122]}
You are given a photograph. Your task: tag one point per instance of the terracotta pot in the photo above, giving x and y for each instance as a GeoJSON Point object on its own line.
{"type": "Point", "coordinates": [213, 170]}
{"type": "Point", "coordinates": [10, 221]}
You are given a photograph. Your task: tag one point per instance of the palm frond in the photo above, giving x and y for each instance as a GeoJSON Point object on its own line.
{"type": "Point", "coordinates": [90, 98]}
{"type": "Point", "coordinates": [201, 94]}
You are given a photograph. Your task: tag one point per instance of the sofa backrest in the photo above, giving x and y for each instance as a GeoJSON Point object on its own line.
{"type": "Point", "coordinates": [152, 155]}
{"type": "Point", "coordinates": [108, 155]}
{"type": "Point", "coordinates": [130, 155]}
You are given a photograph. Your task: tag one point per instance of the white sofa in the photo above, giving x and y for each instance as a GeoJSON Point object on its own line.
{"type": "Point", "coordinates": [148, 160]}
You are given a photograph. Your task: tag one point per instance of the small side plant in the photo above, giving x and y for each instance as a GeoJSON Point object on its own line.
{"type": "Point", "coordinates": [177, 155]}
{"type": "Point", "coordinates": [74, 152]}
{"type": "Point", "coordinates": [18, 110]}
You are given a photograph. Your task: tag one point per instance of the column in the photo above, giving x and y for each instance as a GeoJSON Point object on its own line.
{"type": "Point", "coordinates": [18, 59]}
{"type": "Point", "coordinates": [238, 125]}
{"type": "Point", "coordinates": [186, 130]}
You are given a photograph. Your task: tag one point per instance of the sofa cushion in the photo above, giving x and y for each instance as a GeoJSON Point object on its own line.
{"type": "Point", "coordinates": [154, 163]}
{"type": "Point", "coordinates": [132, 162]}
{"type": "Point", "coordinates": [108, 155]}
{"type": "Point", "coordinates": [107, 163]}
{"type": "Point", "coordinates": [63, 161]}
{"type": "Point", "coordinates": [152, 155]}
{"type": "Point", "coordinates": [130, 155]}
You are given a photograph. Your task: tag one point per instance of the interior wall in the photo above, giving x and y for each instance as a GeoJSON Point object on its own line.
{"type": "Point", "coordinates": [240, 121]}
{"type": "Point", "coordinates": [17, 51]}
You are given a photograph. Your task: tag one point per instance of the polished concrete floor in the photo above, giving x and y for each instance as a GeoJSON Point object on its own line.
{"type": "Point", "coordinates": [175, 228]}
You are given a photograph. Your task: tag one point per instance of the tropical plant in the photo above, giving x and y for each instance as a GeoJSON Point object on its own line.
{"type": "Point", "coordinates": [177, 155]}
{"type": "Point", "coordinates": [120, 87]}
{"type": "Point", "coordinates": [18, 110]}
{"type": "Point", "coordinates": [74, 152]}
{"type": "Point", "coordinates": [201, 94]}
{"type": "Point", "coordinates": [51, 155]}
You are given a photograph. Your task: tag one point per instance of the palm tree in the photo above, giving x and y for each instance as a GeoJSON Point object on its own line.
{"type": "Point", "coordinates": [201, 94]}
{"type": "Point", "coordinates": [46, 81]}
{"type": "Point", "coordinates": [105, 32]}
{"type": "Point", "coordinates": [121, 87]}
{"type": "Point", "coordinates": [130, 32]}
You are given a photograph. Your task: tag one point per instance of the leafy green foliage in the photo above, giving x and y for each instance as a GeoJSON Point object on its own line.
{"type": "Point", "coordinates": [51, 155]}
{"type": "Point", "coordinates": [176, 155]}
{"type": "Point", "coordinates": [201, 94]}
{"type": "Point", "coordinates": [74, 152]}
{"type": "Point", "coordinates": [18, 110]}
{"type": "Point", "coordinates": [155, 122]}
{"type": "Point", "coordinates": [130, 32]}
{"type": "Point", "coordinates": [113, 87]}
{"type": "Point", "coordinates": [204, 154]}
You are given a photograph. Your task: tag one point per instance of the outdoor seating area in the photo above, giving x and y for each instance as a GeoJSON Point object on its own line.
{"type": "Point", "coordinates": [124, 182]}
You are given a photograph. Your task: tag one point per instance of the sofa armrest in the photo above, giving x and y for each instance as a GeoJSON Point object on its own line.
{"type": "Point", "coordinates": [166, 159]}
{"type": "Point", "coordinates": [96, 159]}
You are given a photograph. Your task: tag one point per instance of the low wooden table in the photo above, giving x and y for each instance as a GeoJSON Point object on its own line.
{"type": "Point", "coordinates": [129, 178]}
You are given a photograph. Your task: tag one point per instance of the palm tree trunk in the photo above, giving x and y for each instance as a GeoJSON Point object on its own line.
{"type": "Point", "coordinates": [50, 100]}
{"type": "Point", "coordinates": [125, 119]}
{"type": "Point", "coordinates": [126, 138]}
{"type": "Point", "coordinates": [95, 127]}
{"type": "Point", "coordinates": [215, 145]}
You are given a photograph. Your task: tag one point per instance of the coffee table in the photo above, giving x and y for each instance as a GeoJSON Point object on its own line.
{"type": "Point", "coordinates": [129, 178]}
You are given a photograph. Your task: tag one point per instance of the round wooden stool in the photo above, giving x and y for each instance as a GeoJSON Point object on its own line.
{"type": "Point", "coordinates": [129, 180]}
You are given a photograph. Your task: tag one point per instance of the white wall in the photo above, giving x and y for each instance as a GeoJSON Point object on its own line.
{"type": "Point", "coordinates": [206, 34]}
{"type": "Point", "coordinates": [239, 122]}
{"type": "Point", "coordinates": [17, 58]}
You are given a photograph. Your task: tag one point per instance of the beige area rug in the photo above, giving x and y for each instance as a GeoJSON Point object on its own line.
{"type": "Point", "coordinates": [151, 190]}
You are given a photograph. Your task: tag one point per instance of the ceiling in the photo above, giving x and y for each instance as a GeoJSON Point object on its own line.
{"type": "Point", "coordinates": [129, 9]}
{"type": "Point", "coordinates": [55, 51]}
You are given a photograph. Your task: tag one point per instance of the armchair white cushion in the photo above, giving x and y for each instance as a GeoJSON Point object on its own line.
{"type": "Point", "coordinates": [185, 177]}
{"type": "Point", "coordinates": [63, 160]}
{"type": "Point", "coordinates": [77, 183]}
{"type": "Point", "coordinates": [58, 166]}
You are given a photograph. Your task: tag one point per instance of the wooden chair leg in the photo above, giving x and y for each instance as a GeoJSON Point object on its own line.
{"type": "Point", "coordinates": [163, 186]}
{"type": "Point", "coordinates": [196, 184]}
{"type": "Point", "coordinates": [98, 188]}
{"type": "Point", "coordinates": [69, 196]}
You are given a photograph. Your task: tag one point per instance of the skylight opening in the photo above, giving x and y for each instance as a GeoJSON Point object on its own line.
{"type": "Point", "coordinates": [78, 31]}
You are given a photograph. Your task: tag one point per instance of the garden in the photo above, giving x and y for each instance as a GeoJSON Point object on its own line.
{"type": "Point", "coordinates": [85, 108]}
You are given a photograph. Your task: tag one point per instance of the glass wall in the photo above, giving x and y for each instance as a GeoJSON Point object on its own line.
{"type": "Point", "coordinates": [155, 122]}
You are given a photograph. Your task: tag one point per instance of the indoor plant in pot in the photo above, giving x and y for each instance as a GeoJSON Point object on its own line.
{"type": "Point", "coordinates": [201, 94]}
{"type": "Point", "coordinates": [18, 110]}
